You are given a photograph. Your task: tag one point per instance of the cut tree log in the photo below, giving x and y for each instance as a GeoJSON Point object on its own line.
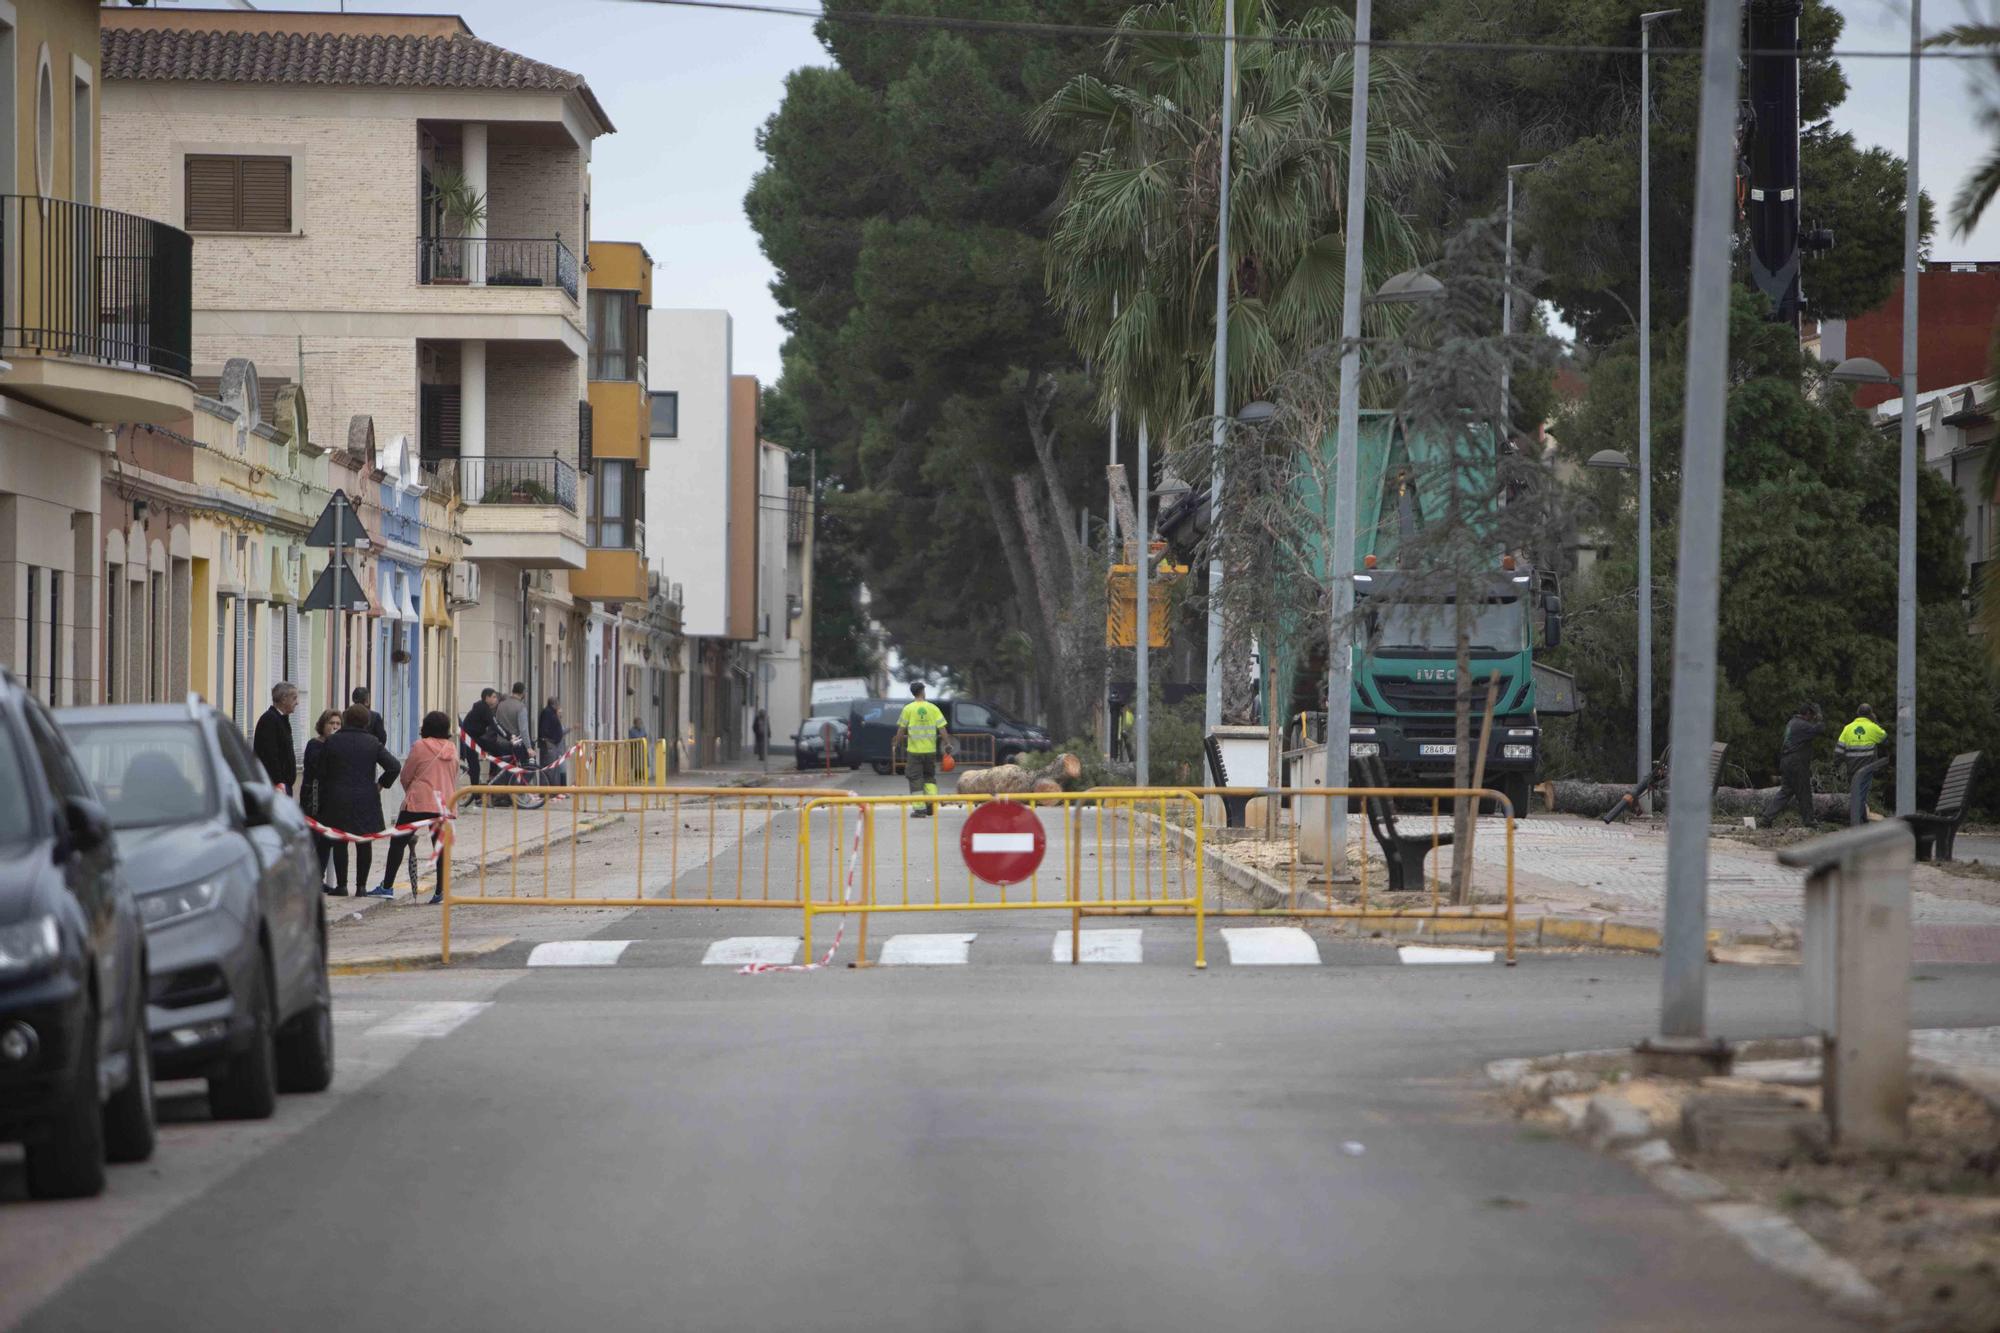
{"type": "Point", "coordinates": [1002, 779]}
{"type": "Point", "coordinates": [1594, 798]}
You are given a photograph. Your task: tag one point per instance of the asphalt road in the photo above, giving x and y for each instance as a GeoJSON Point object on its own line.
{"type": "Point", "coordinates": [1003, 1145]}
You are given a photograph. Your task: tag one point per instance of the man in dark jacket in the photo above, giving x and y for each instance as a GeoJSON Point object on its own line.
{"type": "Point", "coordinates": [477, 722]}
{"type": "Point", "coordinates": [350, 793]}
{"type": "Point", "coordinates": [272, 740]}
{"type": "Point", "coordinates": [1795, 766]}
{"type": "Point", "coordinates": [375, 727]}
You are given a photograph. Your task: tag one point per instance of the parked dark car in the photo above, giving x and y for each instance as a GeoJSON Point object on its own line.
{"type": "Point", "coordinates": [76, 1085]}
{"type": "Point", "coordinates": [223, 868]}
{"type": "Point", "coordinates": [874, 722]}
{"type": "Point", "coordinates": [810, 744]}
{"type": "Point", "coordinates": [976, 717]}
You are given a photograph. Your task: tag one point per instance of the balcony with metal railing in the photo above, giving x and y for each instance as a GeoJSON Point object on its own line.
{"type": "Point", "coordinates": [96, 310]}
{"type": "Point", "coordinates": [496, 261]}
{"type": "Point", "coordinates": [520, 510]}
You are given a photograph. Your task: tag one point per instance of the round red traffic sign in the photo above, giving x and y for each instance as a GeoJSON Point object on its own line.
{"type": "Point", "coordinates": [1003, 842]}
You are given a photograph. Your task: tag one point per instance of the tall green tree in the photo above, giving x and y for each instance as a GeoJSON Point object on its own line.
{"type": "Point", "coordinates": [1578, 215]}
{"type": "Point", "coordinates": [1808, 584]}
{"type": "Point", "coordinates": [904, 207]}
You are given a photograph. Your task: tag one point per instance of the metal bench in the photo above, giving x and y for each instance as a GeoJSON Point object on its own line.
{"type": "Point", "coordinates": [1937, 829]}
{"type": "Point", "coordinates": [1234, 808]}
{"type": "Point", "coordinates": [1403, 852]}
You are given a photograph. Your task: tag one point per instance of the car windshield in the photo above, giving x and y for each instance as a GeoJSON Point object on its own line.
{"type": "Point", "coordinates": [1430, 626]}
{"type": "Point", "coordinates": [832, 707]}
{"type": "Point", "coordinates": [150, 773]}
{"type": "Point", "coordinates": [15, 824]}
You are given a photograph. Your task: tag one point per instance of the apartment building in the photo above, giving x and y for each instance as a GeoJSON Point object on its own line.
{"type": "Point", "coordinates": [1955, 429]}
{"type": "Point", "coordinates": [94, 332]}
{"type": "Point", "coordinates": [632, 669]}
{"type": "Point", "coordinates": [394, 211]}
{"type": "Point", "coordinates": [703, 489]}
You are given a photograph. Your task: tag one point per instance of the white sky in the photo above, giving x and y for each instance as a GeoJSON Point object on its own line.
{"type": "Point", "coordinates": [688, 91]}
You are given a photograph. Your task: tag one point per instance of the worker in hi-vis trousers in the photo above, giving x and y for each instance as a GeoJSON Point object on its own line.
{"type": "Point", "coordinates": [921, 731]}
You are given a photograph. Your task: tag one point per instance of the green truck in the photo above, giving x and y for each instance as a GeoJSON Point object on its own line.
{"type": "Point", "coordinates": [1405, 655]}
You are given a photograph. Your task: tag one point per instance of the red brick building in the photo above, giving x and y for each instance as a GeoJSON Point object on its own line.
{"type": "Point", "coordinates": [1957, 305]}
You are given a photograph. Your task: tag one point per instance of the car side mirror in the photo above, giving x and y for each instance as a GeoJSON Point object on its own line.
{"type": "Point", "coordinates": [259, 804]}
{"type": "Point", "coordinates": [89, 826]}
{"type": "Point", "coordinates": [1552, 625]}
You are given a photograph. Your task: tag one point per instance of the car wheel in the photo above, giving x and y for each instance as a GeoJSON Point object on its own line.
{"type": "Point", "coordinates": [68, 1163]}
{"type": "Point", "coordinates": [305, 1048]}
{"type": "Point", "coordinates": [247, 1089]}
{"type": "Point", "coordinates": [131, 1126]}
{"type": "Point", "coordinates": [881, 769]}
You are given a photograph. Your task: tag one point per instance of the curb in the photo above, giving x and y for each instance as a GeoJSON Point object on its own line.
{"type": "Point", "coordinates": [1550, 930]}
{"type": "Point", "coordinates": [1610, 1121]}
{"type": "Point", "coordinates": [415, 959]}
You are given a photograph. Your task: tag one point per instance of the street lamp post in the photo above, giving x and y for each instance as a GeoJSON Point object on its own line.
{"type": "Point", "coordinates": [1684, 943]}
{"type": "Point", "coordinates": [1507, 307]}
{"type": "Point", "coordinates": [1347, 448]}
{"type": "Point", "coordinates": [1645, 681]}
{"type": "Point", "coordinates": [1142, 559]}
{"type": "Point", "coordinates": [1212, 684]}
{"type": "Point", "coordinates": [1906, 516]}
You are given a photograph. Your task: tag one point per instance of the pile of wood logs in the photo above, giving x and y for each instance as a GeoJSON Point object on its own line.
{"type": "Point", "coordinates": [1732, 803]}
{"type": "Point", "coordinates": [1065, 773]}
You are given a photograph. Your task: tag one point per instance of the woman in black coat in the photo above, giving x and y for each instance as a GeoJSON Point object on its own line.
{"type": "Point", "coordinates": [329, 722]}
{"type": "Point", "coordinates": [350, 795]}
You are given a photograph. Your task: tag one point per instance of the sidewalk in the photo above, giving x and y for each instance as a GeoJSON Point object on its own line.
{"type": "Point", "coordinates": [1592, 883]}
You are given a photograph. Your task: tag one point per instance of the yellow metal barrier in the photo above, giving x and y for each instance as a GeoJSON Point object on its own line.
{"type": "Point", "coordinates": [1136, 864]}
{"type": "Point", "coordinates": [728, 843]}
{"type": "Point", "coordinates": [1440, 820]}
{"type": "Point", "coordinates": [626, 763]}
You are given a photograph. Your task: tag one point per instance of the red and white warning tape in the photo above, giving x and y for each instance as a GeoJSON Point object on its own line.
{"type": "Point", "coordinates": [847, 896]}
{"type": "Point", "coordinates": [509, 766]}
{"type": "Point", "coordinates": [393, 831]}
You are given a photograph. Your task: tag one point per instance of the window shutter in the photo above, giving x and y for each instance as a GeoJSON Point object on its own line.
{"type": "Point", "coordinates": [583, 436]}
{"type": "Point", "coordinates": [266, 193]}
{"type": "Point", "coordinates": [211, 193]}
{"type": "Point", "coordinates": [241, 658]}
{"type": "Point", "coordinates": [438, 428]}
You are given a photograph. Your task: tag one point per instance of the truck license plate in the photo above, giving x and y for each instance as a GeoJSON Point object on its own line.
{"type": "Point", "coordinates": [1443, 751]}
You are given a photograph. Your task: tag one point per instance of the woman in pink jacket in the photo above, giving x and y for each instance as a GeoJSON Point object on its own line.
{"type": "Point", "coordinates": [430, 776]}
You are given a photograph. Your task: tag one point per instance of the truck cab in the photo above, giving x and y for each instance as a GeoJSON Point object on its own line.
{"type": "Point", "coordinates": [1406, 675]}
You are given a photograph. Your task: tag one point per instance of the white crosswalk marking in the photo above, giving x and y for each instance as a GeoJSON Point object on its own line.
{"type": "Point", "coordinates": [739, 950]}
{"type": "Point", "coordinates": [926, 950]}
{"type": "Point", "coordinates": [578, 953]}
{"type": "Point", "coordinates": [1417, 953]}
{"type": "Point", "coordinates": [1101, 946]}
{"type": "Point", "coordinates": [434, 1018]}
{"type": "Point", "coordinates": [1271, 946]}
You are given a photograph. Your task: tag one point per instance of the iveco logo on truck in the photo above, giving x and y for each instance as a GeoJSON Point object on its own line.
{"type": "Point", "coordinates": [1426, 673]}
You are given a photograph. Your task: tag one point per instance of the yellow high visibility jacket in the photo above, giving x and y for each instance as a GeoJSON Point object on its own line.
{"type": "Point", "coordinates": [1861, 735]}
{"type": "Point", "coordinates": [921, 719]}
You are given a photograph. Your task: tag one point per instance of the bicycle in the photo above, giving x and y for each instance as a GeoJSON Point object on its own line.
{"type": "Point", "coordinates": [516, 753]}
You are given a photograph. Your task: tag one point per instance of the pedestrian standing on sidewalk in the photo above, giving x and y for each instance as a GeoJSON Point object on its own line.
{"type": "Point", "coordinates": [921, 730]}
{"type": "Point", "coordinates": [511, 716]}
{"type": "Point", "coordinates": [375, 725]}
{"type": "Point", "coordinates": [351, 795]}
{"type": "Point", "coordinates": [272, 740]}
{"type": "Point", "coordinates": [309, 788]}
{"type": "Point", "coordinates": [1795, 767]}
{"type": "Point", "coordinates": [760, 730]}
{"type": "Point", "coordinates": [551, 733]}
{"type": "Point", "coordinates": [478, 721]}
{"type": "Point", "coordinates": [429, 777]}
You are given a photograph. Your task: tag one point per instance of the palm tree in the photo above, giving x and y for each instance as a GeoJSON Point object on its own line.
{"type": "Point", "coordinates": [1971, 203]}
{"type": "Point", "coordinates": [1131, 253]}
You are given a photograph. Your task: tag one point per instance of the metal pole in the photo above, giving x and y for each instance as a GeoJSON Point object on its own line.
{"type": "Point", "coordinates": [1684, 953]}
{"type": "Point", "coordinates": [1212, 689]}
{"type": "Point", "coordinates": [1906, 521]}
{"type": "Point", "coordinates": [1507, 319]}
{"type": "Point", "coordinates": [1142, 706]}
{"type": "Point", "coordinates": [1645, 683]}
{"type": "Point", "coordinates": [1110, 558]}
{"type": "Point", "coordinates": [339, 604]}
{"type": "Point", "coordinates": [1347, 449]}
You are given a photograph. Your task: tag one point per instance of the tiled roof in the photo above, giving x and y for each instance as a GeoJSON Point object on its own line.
{"type": "Point", "coordinates": [360, 60]}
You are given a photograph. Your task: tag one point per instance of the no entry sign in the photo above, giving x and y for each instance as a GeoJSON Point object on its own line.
{"type": "Point", "coordinates": [1003, 842]}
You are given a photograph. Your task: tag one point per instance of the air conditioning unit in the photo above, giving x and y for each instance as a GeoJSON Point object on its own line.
{"type": "Point", "coordinates": [465, 584]}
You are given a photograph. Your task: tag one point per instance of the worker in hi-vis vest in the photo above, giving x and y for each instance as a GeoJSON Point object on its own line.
{"type": "Point", "coordinates": [1860, 745]}
{"type": "Point", "coordinates": [921, 732]}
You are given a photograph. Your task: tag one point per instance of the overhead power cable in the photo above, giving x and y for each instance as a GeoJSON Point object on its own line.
{"type": "Point", "coordinates": [1103, 32]}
